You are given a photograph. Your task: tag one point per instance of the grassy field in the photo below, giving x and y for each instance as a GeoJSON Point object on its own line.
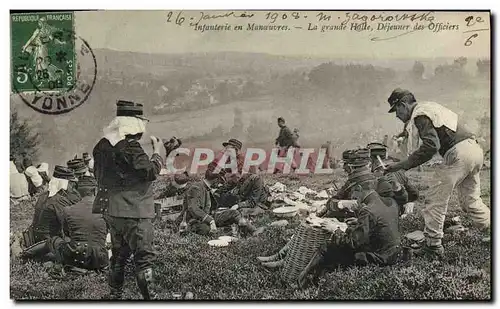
{"type": "Point", "coordinates": [189, 264]}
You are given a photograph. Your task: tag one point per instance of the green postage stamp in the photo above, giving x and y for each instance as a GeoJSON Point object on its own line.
{"type": "Point", "coordinates": [42, 52]}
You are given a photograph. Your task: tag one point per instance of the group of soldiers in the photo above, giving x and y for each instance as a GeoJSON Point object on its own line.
{"type": "Point", "coordinates": [82, 205]}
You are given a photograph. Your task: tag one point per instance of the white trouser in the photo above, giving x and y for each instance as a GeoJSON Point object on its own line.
{"type": "Point", "coordinates": [462, 164]}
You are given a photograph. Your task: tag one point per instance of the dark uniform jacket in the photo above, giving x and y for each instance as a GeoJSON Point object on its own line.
{"type": "Point", "coordinates": [285, 137]}
{"type": "Point", "coordinates": [126, 173]}
{"type": "Point", "coordinates": [406, 184]}
{"type": "Point", "coordinates": [252, 192]}
{"type": "Point", "coordinates": [169, 191]}
{"type": "Point", "coordinates": [375, 238]}
{"type": "Point", "coordinates": [197, 203]}
{"type": "Point", "coordinates": [48, 218]}
{"type": "Point", "coordinates": [81, 225]}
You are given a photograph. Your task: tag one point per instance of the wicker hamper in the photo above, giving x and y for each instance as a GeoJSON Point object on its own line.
{"type": "Point", "coordinates": [306, 242]}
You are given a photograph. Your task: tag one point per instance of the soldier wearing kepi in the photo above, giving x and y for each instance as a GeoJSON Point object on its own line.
{"type": "Point", "coordinates": [89, 162]}
{"type": "Point", "coordinates": [79, 168]}
{"type": "Point", "coordinates": [86, 247]}
{"type": "Point", "coordinates": [125, 173]}
{"type": "Point", "coordinates": [441, 131]}
{"type": "Point", "coordinates": [48, 217]}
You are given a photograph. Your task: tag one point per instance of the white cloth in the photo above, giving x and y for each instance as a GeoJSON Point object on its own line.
{"type": "Point", "coordinates": [57, 184]}
{"type": "Point", "coordinates": [439, 116]}
{"type": "Point", "coordinates": [121, 126]}
{"type": "Point", "coordinates": [18, 183]}
{"type": "Point", "coordinates": [35, 177]}
{"type": "Point", "coordinates": [44, 167]}
{"type": "Point", "coordinates": [91, 163]}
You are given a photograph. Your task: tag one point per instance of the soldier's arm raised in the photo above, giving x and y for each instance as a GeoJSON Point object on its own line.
{"type": "Point", "coordinates": [139, 161]}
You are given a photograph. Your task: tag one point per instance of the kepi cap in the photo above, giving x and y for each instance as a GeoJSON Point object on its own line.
{"type": "Point", "coordinates": [63, 172]}
{"type": "Point", "coordinates": [129, 109]}
{"type": "Point", "coordinates": [77, 166]}
{"type": "Point", "coordinates": [233, 142]}
{"type": "Point", "coordinates": [396, 96]}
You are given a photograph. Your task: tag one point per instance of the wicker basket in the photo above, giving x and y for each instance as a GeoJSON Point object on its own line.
{"type": "Point", "coordinates": [305, 243]}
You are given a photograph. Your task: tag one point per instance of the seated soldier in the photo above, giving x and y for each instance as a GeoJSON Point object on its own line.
{"type": "Point", "coordinates": [371, 238]}
{"type": "Point", "coordinates": [358, 169]}
{"type": "Point", "coordinates": [357, 175]}
{"type": "Point", "coordinates": [86, 246]}
{"type": "Point", "coordinates": [79, 168]}
{"type": "Point", "coordinates": [405, 192]}
{"type": "Point", "coordinates": [43, 170]}
{"type": "Point", "coordinates": [201, 217]}
{"type": "Point", "coordinates": [250, 196]}
{"type": "Point", "coordinates": [35, 181]}
{"type": "Point", "coordinates": [47, 220]}
{"type": "Point", "coordinates": [177, 186]}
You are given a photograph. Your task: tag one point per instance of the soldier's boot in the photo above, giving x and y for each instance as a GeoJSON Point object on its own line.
{"type": "Point", "coordinates": [116, 278]}
{"type": "Point", "coordinates": [274, 264]}
{"type": "Point", "coordinates": [39, 249]}
{"type": "Point", "coordinates": [433, 252]}
{"type": "Point", "coordinates": [145, 283]}
{"type": "Point", "coordinates": [275, 257]}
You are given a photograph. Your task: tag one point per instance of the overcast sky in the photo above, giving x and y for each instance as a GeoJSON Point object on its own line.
{"type": "Point", "coordinates": [149, 31]}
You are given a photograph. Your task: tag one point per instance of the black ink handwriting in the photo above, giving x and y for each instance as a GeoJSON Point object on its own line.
{"type": "Point", "coordinates": [205, 16]}
{"type": "Point", "coordinates": [384, 17]}
{"type": "Point", "coordinates": [468, 42]}
{"type": "Point", "coordinates": [471, 21]}
{"type": "Point", "coordinates": [376, 39]}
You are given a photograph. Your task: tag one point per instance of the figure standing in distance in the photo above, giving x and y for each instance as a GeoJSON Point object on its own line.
{"type": "Point", "coordinates": [441, 131]}
{"type": "Point", "coordinates": [284, 141]}
{"type": "Point", "coordinates": [125, 174]}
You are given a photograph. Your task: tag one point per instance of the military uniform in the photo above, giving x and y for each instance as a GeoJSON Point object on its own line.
{"type": "Point", "coordinates": [125, 174]}
{"type": "Point", "coordinates": [440, 130]}
{"type": "Point", "coordinates": [49, 211]}
{"type": "Point", "coordinates": [48, 217]}
{"type": "Point", "coordinates": [87, 233]}
{"type": "Point", "coordinates": [250, 194]}
{"type": "Point", "coordinates": [198, 213]}
{"type": "Point", "coordinates": [374, 239]}
{"type": "Point", "coordinates": [285, 138]}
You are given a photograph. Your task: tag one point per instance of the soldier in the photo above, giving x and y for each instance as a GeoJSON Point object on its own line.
{"type": "Point", "coordinates": [285, 137]}
{"type": "Point", "coordinates": [250, 196]}
{"type": "Point", "coordinates": [176, 187]}
{"type": "Point", "coordinates": [441, 131]}
{"type": "Point", "coordinates": [372, 235]}
{"type": "Point", "coordinates": [35, 181]}
{"type": "Point", "coordinates": [43, 170]}
{"type": "Point", "coordinates": [89, 162]}
{"type": "Point", "coordinates": [231, 145]}
{"type": "Point", "coordinates": [285, 140]}
{"type": "Point", "coordinates": [18, 185]}
{"type": "Point", "coordinates": [124, 175]}
{"type": "Point", "coordinates": [402, 189]}
{"type": "Point", "coordinates": [79, 168]}
{"type": "Point", "coordinates": [201, 217]}
{"type": "Point", "coordinates": [48, 217]}
{"type": "Point", "coordinates": [86, 246]}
